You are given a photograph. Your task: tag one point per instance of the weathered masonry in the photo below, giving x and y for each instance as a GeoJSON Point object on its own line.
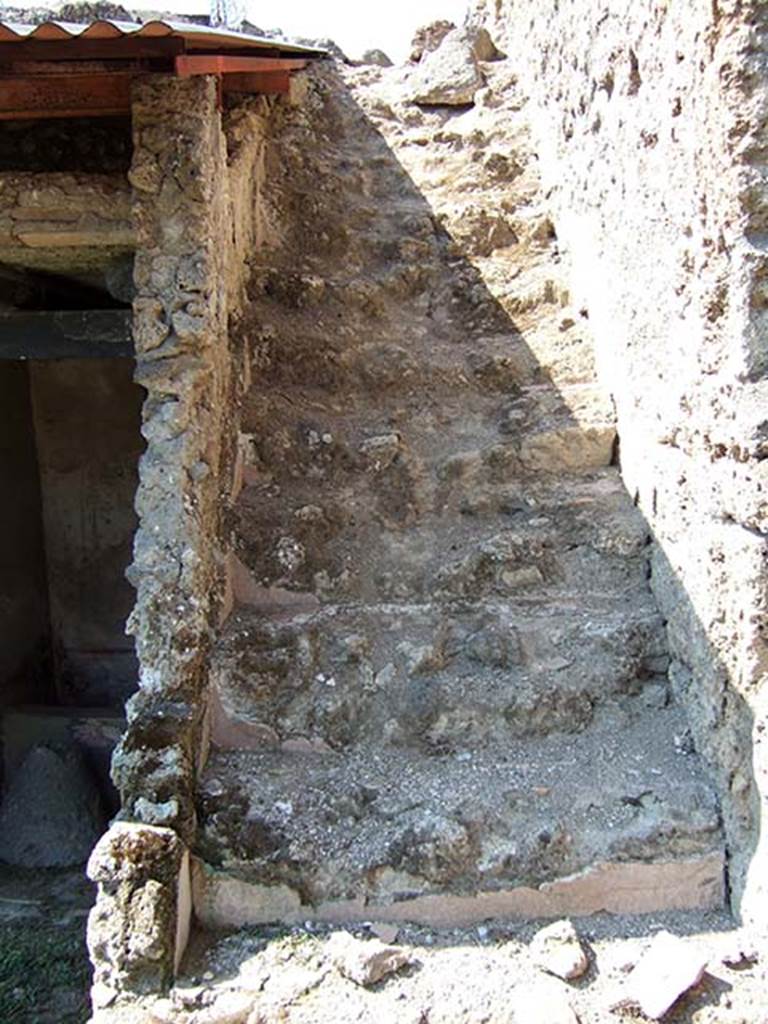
{"type": "Point", "coordinates": [650, 120]}
{"type": "Point", "coordinates": [131, 161]}
{"type": "Point", "coordinates": [405, 647]}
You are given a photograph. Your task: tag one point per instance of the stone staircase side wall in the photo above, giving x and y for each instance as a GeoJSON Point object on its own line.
{"type": "Point", "coordinates": [650, 121]}
{"type": "Point", "coordinates": [195, 175]}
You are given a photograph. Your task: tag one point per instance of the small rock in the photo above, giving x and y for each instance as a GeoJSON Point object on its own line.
{"type": "Point", "coordinates": [428, 38]}
{"type": "Point", "coordinates": [366, 962]}
{"type": "Point", "coordinates": [163, 1012]}
{"type": "Point", "coordinates": [449, 76]}
{"type": "Point", "coordinates": [668, 968]}
{"type": "Point", "coordinates": [381, 450]}
{"type": "Point", "coordinates": [739, 951]}
{"type": "Point", "coordinates": [495, 646]}
{"type": "Point", "coordinates": [483, 46]}
{"type": "Point", "coordinates": [684, 743]}
{"type": "Point", "coordinates": [231, 1007]}
{"type": "Point", "coordinates": [388, 933]}
{"type": "Point", "coordinates": [655, 695]}
{"type": "Point", "coordinates": [377, 57]}
{"type": "Point", "coordinates": [558, 950]}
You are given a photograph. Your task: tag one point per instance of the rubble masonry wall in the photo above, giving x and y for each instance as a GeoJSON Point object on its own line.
{"type": "Point", "coordinates": [650, 119]}
{"type": "Point", "coordinates": [53, 221]}
{"type": "Point", "coordinates": [194, 182]}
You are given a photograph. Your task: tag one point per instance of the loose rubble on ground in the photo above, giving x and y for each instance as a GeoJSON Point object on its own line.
{"type": "Point", "coordinates": [628, 970]}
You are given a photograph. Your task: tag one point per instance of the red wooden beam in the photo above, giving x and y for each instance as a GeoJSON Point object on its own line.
{"type": "Point", "coordinates": [269, 82]}
{"type": "Point", "coordinates": [217, 64]}
{"type": "Point", "coordinates": [88, 95]}
{"type": "Point", "coordinates": [38, 90]}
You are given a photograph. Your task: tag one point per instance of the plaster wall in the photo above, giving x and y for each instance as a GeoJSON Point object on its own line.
{"type": "Point", "coordinates": [650, 121]}
{"type": "Point", "coordinates": [23, 604]}
{"type": "Point", "coordinates": [86, 419]}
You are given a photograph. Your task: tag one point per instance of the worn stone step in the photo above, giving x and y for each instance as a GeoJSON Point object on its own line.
{"type": "Point", "coordinates": [618, 820]}
{"type": "Point", "coordinates": [419, 354]}
{"type": "Point", "coordinates": [406, 447]}
{"type": "Point", "coordinates": [455, 535]}
{"type": "Point", "coordinates": [430, 678]}
{"type": "Point", "coordinates": [414, 359]}
{"type": "Point", "coordinates": [484, 542]}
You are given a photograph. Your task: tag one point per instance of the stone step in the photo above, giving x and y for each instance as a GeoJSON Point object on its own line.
{"type": "Point", "coordinates": [618, 820]}
{"type": "Point", "coordinates": [446, 538]}
{"type": "Point", "coordinates": [298, 352]}
{"type": "Point", "coordinates": [483, 542]}
{"type": "Point", "coordinates": [411, 442]}
{"type": "Point", "coordinates": [429, 678]}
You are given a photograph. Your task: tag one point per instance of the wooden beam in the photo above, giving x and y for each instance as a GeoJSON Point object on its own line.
{"type": "Point", "coordinates": [86, 334]}
{"type": "Point", "coordinates": [265, 82]}
{"type": "Point", "coordinates": [23, 68]}
{"type": "Point", "coordinates": [75, 95]}
{"type": "Point", "coordinates": [216, 64]}
{"type": "Point", "coordinates": [131, 47]}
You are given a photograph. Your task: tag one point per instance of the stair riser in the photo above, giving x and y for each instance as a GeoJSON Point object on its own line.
{"type": "Point", "coordinates": [456, 681]}
{"type": "Point", "coordinates": [627, 888]}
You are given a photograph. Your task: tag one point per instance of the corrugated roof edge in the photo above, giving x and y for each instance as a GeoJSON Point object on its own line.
{"type": "Point", "coordinates": [103, 29]}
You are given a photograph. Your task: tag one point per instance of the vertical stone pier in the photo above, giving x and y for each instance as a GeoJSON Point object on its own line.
{"type": "Point", "coordinates": [189, 277]}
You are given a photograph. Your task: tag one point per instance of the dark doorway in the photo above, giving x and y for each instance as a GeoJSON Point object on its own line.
{"type": "Point", "coordinates": [70, 443]}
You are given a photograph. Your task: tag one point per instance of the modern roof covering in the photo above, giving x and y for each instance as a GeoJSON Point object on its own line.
{"type": "Point", "coordinates": [193, 36]}
{"type": "Point", "coordinates": [59, 69]}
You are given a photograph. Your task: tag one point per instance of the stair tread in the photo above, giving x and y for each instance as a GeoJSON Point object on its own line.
{"type": "Point", "coordinates": [525, 812]}
{"type": "Point", "coordinates": [487, 541]}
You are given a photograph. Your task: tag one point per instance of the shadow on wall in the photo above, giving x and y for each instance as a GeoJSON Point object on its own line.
{"type": "Point", "coordinates": [429, 304]}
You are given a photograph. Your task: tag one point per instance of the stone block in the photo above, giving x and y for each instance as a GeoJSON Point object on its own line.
{"type": "Point", "coordinates": [666, 971]}
{"type": "Point", "coordinates": [51, 814]}
{"type": "Point", "coordinates": [222, 901]}
{"type": "Point", "coordinates": [448, 75]}
{"type": "Point", "coordinates": [140, 922]}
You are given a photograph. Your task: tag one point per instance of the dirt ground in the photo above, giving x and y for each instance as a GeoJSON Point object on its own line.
{"type": "Point", "coordinates": [484, 976]}
{"type": "Point", "coordinates": [44, 969]}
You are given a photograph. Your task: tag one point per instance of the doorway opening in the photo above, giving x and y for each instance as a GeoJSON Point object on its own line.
{"type": "Point", "coordinates": [70, 442]}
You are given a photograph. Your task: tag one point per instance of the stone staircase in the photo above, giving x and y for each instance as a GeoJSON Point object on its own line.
{"type": "Point", "coordinates": [442, 694]}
